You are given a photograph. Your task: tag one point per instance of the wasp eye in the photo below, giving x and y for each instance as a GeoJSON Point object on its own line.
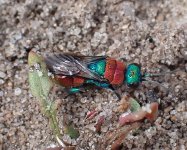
{"type": "Point", "coordinates": [132, 73]}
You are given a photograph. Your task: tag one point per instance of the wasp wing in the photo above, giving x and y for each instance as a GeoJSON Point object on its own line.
{"type": "Point", "coordinates": [72, 65]}
{"type": "Point", "coordinates": [89, 59]}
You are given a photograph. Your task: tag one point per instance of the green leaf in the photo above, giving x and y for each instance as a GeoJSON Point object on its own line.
{"type": "Point", "coordinates": [40, 83]}
{"type": "Point", "coordinates": [40, 86]}
{"type": "Point", "coordinates": [71, 131]}
{"type": "Point", "coordinates": [134, 105]}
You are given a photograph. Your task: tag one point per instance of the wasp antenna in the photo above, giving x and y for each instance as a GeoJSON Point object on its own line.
{"type": "Point", "coordinates": [151, 75]}
{"type": "Point", "coordinates": [157, 83]}
{"type": "Point", "coordinates": [159, 74]}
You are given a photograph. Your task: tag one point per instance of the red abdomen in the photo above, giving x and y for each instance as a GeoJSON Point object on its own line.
{"type": "Point", "coordinates": [69, 81]}
{"type": "Point", "coordinates": [114, 71]}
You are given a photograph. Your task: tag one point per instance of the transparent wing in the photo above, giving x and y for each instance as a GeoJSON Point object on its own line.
{"type": "Point", "coordinates": [72, 65]}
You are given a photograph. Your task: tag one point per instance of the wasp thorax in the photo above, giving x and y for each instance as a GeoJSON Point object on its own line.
{"type": "Point", "coordinates": [133, 75]}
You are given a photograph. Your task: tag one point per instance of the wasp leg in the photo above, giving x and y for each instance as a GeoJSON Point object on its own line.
{"type": "Point", "coordinates": [97, 83]}
{"type": "Point", "coordinates": [104, 85]}
{"type": "Point", "coordinates": [115, 92]}
{"type": "Point", "coordinates": [73, 90]}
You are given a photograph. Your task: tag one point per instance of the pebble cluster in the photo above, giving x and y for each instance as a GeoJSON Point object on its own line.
{"type": "Point", "coordinates": [152, 33]}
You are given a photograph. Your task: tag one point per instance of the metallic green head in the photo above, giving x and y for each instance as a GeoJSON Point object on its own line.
{"type": "Point", "coordinates": [133, 75]}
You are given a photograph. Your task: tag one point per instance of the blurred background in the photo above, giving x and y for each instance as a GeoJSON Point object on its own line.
{"type": "Point", "coordinates": [152, 33]}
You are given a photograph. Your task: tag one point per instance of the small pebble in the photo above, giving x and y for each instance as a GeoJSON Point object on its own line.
{"type": "Point", "coordinates": [17, 91]}
{"type": "Point", "coordinates": [2, 81]}
{"type": "Point", "coordinates": [2, 75]}
{"type": "Point", "coordinates": [1, 93]}
{"type": "Point", "coordinates": [173, 118]}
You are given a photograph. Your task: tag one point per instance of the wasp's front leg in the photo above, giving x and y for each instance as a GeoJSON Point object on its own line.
{"type": "Point", "coordinates": [114, 90]}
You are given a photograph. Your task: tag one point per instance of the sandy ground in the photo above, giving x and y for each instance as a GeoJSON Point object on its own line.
{"type": "Point", "coordinates": [152, 33]}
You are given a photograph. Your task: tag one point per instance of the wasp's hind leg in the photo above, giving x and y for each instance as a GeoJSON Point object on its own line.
{"type": "Point", "coordinates": [73, 90]}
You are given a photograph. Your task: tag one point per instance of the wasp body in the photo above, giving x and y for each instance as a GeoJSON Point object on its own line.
{"type": "Point", "coordinates": [74, 72]}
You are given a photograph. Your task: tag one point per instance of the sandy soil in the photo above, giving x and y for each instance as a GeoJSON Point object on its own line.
{"type": "Point", "coordinates": [152, 33]}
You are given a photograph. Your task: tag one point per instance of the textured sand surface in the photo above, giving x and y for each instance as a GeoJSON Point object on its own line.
{"type": "Point", "coordinates": [151, 33]}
